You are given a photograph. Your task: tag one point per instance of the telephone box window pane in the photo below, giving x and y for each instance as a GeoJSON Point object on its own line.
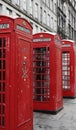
{"type": "Point", "coordinates": [0, 42]}
{"type": "Point", "coordinates": [41, 74]}
{"type": "Point", "coordinates": [3, 110]}
{"type": "Point", "coordinates": [0, 64]}
{"type": "Point", "coordinates": [2, 80]}
{"type": "Point", "coordinates": [0, 53]}
{"type": "Point", "coordinates": [66, 70]}
{"type": "Point", "coordinates": [4, 42]}
{"type": "Point", "coordinates": [3, 75]}
{"type": "Point", "coordinates": [4, 53]}
{"type": "Point", "coordinates": [4, 65]}
{"type": "Point", "coordinates": [2, 87]}
{"type": "Point", "coordinates": [3, 121]}
{"type": "Point", "coordinates": [0, 75]}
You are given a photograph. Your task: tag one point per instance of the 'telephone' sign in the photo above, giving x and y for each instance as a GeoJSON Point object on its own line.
{"type": "Point", "coordinates": [4, 26]}
{"type": "Point", "coordinates": [42, 40]}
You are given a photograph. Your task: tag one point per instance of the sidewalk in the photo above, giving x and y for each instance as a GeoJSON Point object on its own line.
{"type": "Point", "coordinates": [64, 120]}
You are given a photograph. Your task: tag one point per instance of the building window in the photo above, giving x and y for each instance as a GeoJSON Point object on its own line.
{"type": "Point", "coordinates": [24, 4]}
{"type": "Point", "coordinates": [41, 30]}
{"type": "Point", "coordinates": [40, 14]}
{"type": "Point", "coordinates": [69, 16]}
{"type": "Point", "coordinates": [64, 23]}
{"type": "Point", "coordinates": [48, 19]}
{"type": "Point", "coordinates": [69, 32]}
{"type": "Point", "coordinates": [58, 3]}
{"type": "Point", "coordinates": [36, 29]}
{"type": "Point", "coordinates": [9, 11]}
{"type": "Point", "coordinates": [73, 3]}
{"type": "Point", "coordinates": [55, 8]}
{"type": "Point", "coordinates": [44, 18]}
{"type": "Point", "coordinates": [75, 7]}
{"type": "Point", "coordinates": [48, 3]}
{"type": "Point", "coordinates": [44, 1]}
{"type": "Point", "coordinates": [31, 7]}
{"type": "Point", "coordinates": [52, 5]}
{"type": "Point", "coordinates": [58, 19]}
{"type": "Point", "coordinates": [36, 10]}
{"type": "Point", "coordinates": [0, 7]}
{"type": "Point", "coordinates": [55, 25]}
{"type": "Point", "coordinates": [74, 22]}
{"type": "Point", "coordinates": [17, 2]}
{"type": "Point", "coordinates": [61, 5]}
{"type": "Point", "coordinates": [52, 24]}
{"type": "Point", "coordinates": [64, 9]}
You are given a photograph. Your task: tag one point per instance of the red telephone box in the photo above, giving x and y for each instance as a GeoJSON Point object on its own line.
{"type": "Point", "coordinates": [69, 68]}
{"type": "Point", "coordinates": [47, 86]}
{"type": "Point", "coordinates": [15, 74]}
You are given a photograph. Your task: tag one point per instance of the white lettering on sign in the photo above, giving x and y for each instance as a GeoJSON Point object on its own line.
{"type": "Point", "coordinates": [42, 40]}
{"type": "Point", "coordinates": [23, 29]}
{"type": "Point", "coordinates": [4, 26]}
{"type": "Point", "coordinates": [68, 45]}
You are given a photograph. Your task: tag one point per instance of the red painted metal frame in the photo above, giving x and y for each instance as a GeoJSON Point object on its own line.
{"type": "Point", "coordinates": [18, 111]}
{"type": "Point", "coordinates": [69, 46]}
{"type": "Point", "coordinates": [52, 96]}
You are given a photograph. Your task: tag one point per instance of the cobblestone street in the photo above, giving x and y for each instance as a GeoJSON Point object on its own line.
{"type": "Point", "coordinates": [64, 120]}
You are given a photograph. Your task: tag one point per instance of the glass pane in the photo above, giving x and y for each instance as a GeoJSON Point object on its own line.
{"type": "Point", "coordinates": [66, 70]}
{"type": "Point", "coordinates": [41, 74]}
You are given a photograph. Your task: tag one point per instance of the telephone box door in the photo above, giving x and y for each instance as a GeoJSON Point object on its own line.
{"type": "Point", "coordinates": [24, 92]}
{"type": "Point", "coordinates": [66, 70]}
{"type": "Point", "coordinates": [41, 74]}
{"type": "Point", "coordinates": [4, 81]}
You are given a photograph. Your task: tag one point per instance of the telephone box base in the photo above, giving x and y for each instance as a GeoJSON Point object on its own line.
{"type": "Point", "coordinates": [49, 112]}
{"type": "Point", "coordinates": [70, 97]}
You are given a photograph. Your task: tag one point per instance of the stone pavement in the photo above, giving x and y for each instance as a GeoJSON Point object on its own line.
{"type": "Point", "coordinates": [64, 120]}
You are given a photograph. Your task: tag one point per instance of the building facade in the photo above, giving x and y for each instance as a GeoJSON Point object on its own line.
{"type": "Point", "coordinates": [61, 18]}
{"type": "Point", "coordinates": [71, 19]}
{"type": "Point", "coordinates": [45, 15]}
{"type": "Point", "coordinates": [66, 18]}
{"type": "Point", "coordinates": [40, 13]}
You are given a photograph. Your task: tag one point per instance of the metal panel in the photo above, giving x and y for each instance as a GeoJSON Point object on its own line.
{"type": "Point", "coordinates": [24, 83]}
